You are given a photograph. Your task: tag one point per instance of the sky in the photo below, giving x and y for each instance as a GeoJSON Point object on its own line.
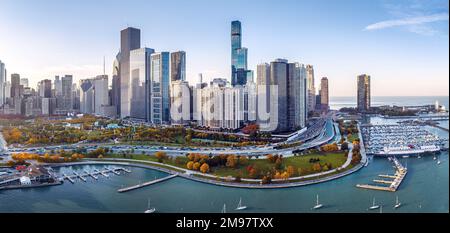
{"type": "Point", "coordinates": [402, 44]}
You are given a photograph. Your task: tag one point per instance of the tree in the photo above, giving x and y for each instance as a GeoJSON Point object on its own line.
{"type": "Point", "coordinates": [278, 163]}
{"type": "Point", "coordinates": [291, 171]}
{"type": "Point", "coordinates": [231, 161]}
{"type": "Point", "coordinates": [190, 165]}
{"type": "Point", "coordinates": [100, 156]}
{"type": "Point", "coordinates": [196, 166]}
{"type": "Point", "coordinates": [243, 160]}
{"type": "Point", "coordinates": [344, 146]}
{"type": "Point", "coordinates": [160, 155]}
{"type": "Point", "coordinates": [204, 168]}
{"type": "Point", "coordinates": [317, 167]}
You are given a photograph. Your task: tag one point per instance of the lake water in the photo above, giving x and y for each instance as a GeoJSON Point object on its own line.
{"type": "Point", "coordinates": [339, 102]}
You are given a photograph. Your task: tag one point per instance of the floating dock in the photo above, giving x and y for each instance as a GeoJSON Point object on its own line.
{"type": "Point", "coordinates": [393, 184]}
{"type": "Point", "coordinates": [93, 174]}
{"type": "Point", "coordinates": [122, 190]}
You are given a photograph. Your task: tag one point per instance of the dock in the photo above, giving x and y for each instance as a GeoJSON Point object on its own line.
{"type": "Point", "coordinates": [122, 190]}
{"type": "Point", "coordinates": [93, 174]}
{"type": "Point", "coordinates": [393, 184]}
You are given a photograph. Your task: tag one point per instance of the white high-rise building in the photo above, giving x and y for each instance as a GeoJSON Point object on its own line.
{"type": "Point", "coordinates": [180, 102]}
{"type": "Point", "coordinates": [94, 95]}
{"type": "Point", "coordinates": [101, 97]}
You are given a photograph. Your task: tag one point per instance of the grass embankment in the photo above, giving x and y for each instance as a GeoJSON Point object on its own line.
{"type": "Point", "coordinates": [303, 162]}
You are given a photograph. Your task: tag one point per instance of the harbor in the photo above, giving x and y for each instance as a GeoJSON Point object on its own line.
{"type": "Point", "coordinates": [93, 174]}
{"type": "Point", "coordinates": [400, 140]}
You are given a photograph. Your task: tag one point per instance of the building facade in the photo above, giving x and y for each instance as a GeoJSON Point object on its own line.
{"type": "Point", "coordinates": [159, 88]}
{"type": "Point", "coordinates": [140, 91]}
{"type": "Point", "coordinates": [130, 39]}
{"type": "Point", "coordinates": [363, 93]}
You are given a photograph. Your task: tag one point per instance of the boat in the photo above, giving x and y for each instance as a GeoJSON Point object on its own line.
{"type": "Point", "coordinates": [419, 157]}
{"type": "Point", "coordinates": [434, 158]}
{"type": "Point", "coordinates": [374, 206]}
{"type": "Point", "coordinates": [318, 205]}
{"type": "Point", "coordinates": [240, 206]}
{"type": "Point", "coordinates": [438, 162]}
{"type": "Point", "coordinates": [224, 209]}
{"type": "Point", "coordinates": [397, 203]}
{"type": "Point", "coordinates": [405, 156]}
{"type": "Point", "coordinates": [149, 210]}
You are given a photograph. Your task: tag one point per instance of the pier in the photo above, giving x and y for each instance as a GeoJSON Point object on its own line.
{"type": "Point", "coordinates": [393, 184]}
{"type": "Point", "coordinates": [93, 174]}
{"type": "Point", "coordinates": [122, 190]}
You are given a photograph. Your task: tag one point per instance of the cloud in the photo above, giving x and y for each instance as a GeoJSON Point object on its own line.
{"type": "Point", "coordinates": [412, 21]}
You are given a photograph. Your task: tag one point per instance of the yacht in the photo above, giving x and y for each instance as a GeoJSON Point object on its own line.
{"type": "Point", "coordinates": [438, 162]}
{"type": "Point", "coordinates": [374, 206]}
{"type": "Point", "coordinates": [397, 203]}
{"type": "Point", "coordinates": [149, 210]}
{"type": "Point", "coordinates": [240, 206]}
{"type": "Point", "coordinates": [318, 205]}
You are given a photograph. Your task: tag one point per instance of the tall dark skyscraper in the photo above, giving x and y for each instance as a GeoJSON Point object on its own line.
{"type": "Point", "coordinates": [238, 56]}
{"type": "Point", "coordinates": [178, 66]}
{"type": "Point", "coordinates": [16, 88]}
{"type": "Point", "coordinates": [130, 39]}
{"type": "Point", "coordinates": [363, 95]}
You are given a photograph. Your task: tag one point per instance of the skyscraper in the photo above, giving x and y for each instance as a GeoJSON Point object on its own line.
{"type": "Point", "coordinates": [178, 66]}
{"type": "Point", "coordinates": [45, 88]}
{"type": "Point", "coordinates": [324, 96]}
{"type": "Point", "coordinates": [115, 89]}
{"type": "Point", "coordinates": [16, 88]}
{"type": "Point", "coordinates": [363, 95]}
{"type": "Point", "coordinates": [297, 96]}
{"type": "Point", "coordinates": [311, 95]}
{"type": "Point", "coordinates": [2, 83]}
{"type": "Point", "coordinates": [159, 88]}
{"type": "Point", "coordinates": [279, 77]}
{"type": "Point", "coordinates": [238, 56]}
{"type": "Point", "coordinates": [66, 85]}
{"type": "Point", "coordinates": [139, 91]}
{"type": "Point", "coordinates": [130, 39]}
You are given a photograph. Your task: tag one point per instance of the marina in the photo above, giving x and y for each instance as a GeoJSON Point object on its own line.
{"type": "Point", "coordinates": [401, 140]}
{"type": "Point", "coordinates": [94, 174]}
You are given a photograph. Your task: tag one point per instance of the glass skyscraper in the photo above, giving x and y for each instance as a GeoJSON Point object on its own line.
{"type": "Point", "coordinates": [159, 84]}
{"type": "Point", "coordinates": [130, 39]}
{"type": "Point", "coordinates": [140, 68]}
{"type": "Point", "coordinates": [238, 56]}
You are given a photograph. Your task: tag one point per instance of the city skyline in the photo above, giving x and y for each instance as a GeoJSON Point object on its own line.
{"type": "Point", "coordinates": [381, 38]}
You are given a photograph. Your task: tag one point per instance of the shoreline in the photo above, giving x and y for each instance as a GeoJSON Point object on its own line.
{"type": "Point", "coordinates": [190, 176]}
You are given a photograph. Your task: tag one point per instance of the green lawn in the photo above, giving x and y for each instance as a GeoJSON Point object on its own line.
{"type": "Point", "coordinates": [336, 159]}
{"type": "Point", "coordinates": [353, 137]}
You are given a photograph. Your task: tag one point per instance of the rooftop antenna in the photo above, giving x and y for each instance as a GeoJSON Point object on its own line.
{"type": "Point", "coordinates": [104, 65]}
